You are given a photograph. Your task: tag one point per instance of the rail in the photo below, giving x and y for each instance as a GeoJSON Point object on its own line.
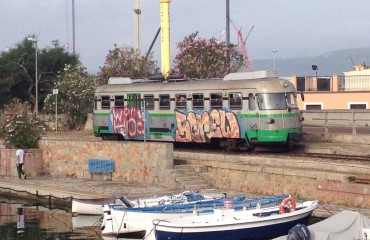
{"type": "Point", "coordinates": [338, 121]}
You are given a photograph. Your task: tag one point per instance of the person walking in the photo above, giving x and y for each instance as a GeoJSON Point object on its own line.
{"type": "Point", "coordinates": [20, 161]}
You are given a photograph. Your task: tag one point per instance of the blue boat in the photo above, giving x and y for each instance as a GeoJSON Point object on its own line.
{"type": "Point", "coordinates": [265, 223]}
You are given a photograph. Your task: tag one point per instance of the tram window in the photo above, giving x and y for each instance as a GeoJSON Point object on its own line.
{"type": "Point", "coordinates": [149, 102]}
{"type": "Point", "coordinates": [216, 100]}
{"type": "Point", "coordinates": [180, 101]}
{"type": "Point", "coordinates": [251, 102]}
{"type": "Point", "coordinates": [235, 100]}
{"type": "Point", "coordinates": [291, 99]}
{"type": "Point", "coordinates": [272, 101]}
{"type": "Point", "coordinates": [198, 101]}
{"type": "Point", "coordinates": [118, 101]}
{"type": "Point", "coordinates": [164, 102]}
{"type": "Point", "coordinates": [95, 103]}
{"type": "Point", "coordinates": [105, 102]}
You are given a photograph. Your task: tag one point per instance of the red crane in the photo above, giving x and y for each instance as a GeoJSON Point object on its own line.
{"type": "Point", "coordinates": [241, 45]}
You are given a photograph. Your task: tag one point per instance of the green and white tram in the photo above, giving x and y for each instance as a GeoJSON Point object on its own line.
{"type": "Point", "coordinates": [240, 111]}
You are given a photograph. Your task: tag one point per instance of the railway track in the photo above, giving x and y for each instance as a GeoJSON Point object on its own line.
{"type": "Point", "coordinates": [279, 153]}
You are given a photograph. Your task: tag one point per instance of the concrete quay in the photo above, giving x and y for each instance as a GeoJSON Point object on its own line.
{"type": "Point", "coordinates": [62, 183]}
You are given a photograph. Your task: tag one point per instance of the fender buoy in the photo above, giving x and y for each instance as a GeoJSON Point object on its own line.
{"type": "Point", "coordinates": [228, 204]}
{"type": "Point", "coordinates": [285, 201]}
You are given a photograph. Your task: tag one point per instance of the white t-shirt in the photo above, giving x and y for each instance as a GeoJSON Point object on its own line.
{"type": "Point", "coordinates": [20, 154]}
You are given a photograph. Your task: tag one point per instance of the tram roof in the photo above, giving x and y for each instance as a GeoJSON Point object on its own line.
{"type": "Point", "coordinates": [270, 84]}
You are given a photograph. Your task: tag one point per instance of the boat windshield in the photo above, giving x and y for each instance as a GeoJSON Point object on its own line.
{"type": "Point", "coordinates": [277, 101]}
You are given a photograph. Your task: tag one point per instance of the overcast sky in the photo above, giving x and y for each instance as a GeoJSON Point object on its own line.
{"type": "Point", "coordinates": [295, 28]}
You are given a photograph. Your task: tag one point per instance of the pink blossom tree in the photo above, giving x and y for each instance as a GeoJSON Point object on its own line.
{"type": "Point", "coordinates": [126, 62]}
{"type": "Point", "coordinates": [206, 58]}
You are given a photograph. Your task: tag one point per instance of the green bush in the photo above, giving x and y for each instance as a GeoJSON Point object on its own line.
{"type": "Point", "coordinates": [19, 126]}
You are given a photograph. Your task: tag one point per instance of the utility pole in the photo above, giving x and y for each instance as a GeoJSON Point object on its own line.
{"type": "Point", "coordinates": [137, 12]}
{"type": "Point", "coordinates": [73, 27]}
{"type": "Point", "coordinates": [227, 23]}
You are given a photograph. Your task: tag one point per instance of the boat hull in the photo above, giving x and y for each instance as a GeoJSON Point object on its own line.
{"type": "Point", "coordinates": [90, 206]}
{"type": "Point", "coordinates": [231, 225]}
{"type": "Point", "coordinates": [239, 233]}
{"type": "Point", "coordinates": [136, 220]}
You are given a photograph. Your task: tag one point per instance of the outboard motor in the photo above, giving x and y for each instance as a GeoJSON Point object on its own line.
{"type": "Point", "coordinates": [299, 232]}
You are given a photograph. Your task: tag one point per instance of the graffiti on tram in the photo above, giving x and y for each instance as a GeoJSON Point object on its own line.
{"type": "Point", "coordinates": [202, 126]}
{"type": "Point", "coordinates": [128, 121]}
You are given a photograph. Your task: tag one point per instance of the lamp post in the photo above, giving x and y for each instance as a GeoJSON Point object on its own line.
{"type": "Point", "coordinates": [274, 51]}
{"type": "Point", "coordinates": [34, 42]}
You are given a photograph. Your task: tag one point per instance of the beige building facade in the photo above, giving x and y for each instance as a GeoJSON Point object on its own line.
{"type": "Point", "coordinates": [351, 91]}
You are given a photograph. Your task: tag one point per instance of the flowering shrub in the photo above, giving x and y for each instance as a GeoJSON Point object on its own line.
{"type": "Point", "coordinates": [126, 62]}
{"type": "Point", "coordinates": [203, 58]}
{"type": "Point", "coordinates": [75, 95]}
{"type": "Point", "coordinates": [19, 126]}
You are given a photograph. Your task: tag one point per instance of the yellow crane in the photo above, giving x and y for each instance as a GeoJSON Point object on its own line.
{"type": "Point", "coordinates": [165, 36]}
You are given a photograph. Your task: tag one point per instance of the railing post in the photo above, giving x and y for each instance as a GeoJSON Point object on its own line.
{"type": "Point", "coordinates": [354, 132]}
{"type": "Point", "coordinates": [326, 123]}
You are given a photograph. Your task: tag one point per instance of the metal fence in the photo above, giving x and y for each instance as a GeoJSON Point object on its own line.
{"type": "Point", "coordinates": [326, 83]}
{"type": "Point", "coordinates": [338, 121]}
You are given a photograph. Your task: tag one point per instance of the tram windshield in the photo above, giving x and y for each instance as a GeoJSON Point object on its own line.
{"type": "Point", "coordinates": [276, 101]}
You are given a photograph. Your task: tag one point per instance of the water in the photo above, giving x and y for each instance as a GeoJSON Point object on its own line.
{"type": "Point", "coordinates": [30, 222]}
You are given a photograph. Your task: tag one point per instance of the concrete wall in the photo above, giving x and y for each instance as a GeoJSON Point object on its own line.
{"type": "Point", "coordinates": [135, 162]}
{"type": "Point", "coordinates": [327, 181]}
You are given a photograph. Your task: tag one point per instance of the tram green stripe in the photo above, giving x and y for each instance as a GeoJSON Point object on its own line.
{"type": "Point", "coordinates": [280, 135]}
{"type": "Point", "coordinates": [101, 114]}
{"type": "Point", "coordinates": [250, 115]}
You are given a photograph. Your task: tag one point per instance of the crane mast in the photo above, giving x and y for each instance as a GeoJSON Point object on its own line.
{"type": "Point", "coordinates": [165, 36]}
{"type": "Point", "coordinates": [137, 14]}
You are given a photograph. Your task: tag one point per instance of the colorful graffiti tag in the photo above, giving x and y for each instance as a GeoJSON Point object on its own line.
{"type": "Point", "coordinates": [194, 127]}
{"type": "Point", "coordinates": [129, 121]}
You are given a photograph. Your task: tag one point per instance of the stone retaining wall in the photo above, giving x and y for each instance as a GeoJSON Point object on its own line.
{"type": "Point", "coordinates": [135, 162]}
{"type": "Point", "coordinates": [8, 160]}
{"type": "Point", "coordinates": [326, 181]}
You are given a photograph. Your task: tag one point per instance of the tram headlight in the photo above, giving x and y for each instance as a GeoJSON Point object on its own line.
{"type": "Point", "coordinates": [285, 84]}
{"type": "Point", "coordinates": [270, 121]}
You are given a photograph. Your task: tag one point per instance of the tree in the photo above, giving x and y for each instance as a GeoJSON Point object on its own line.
{"type": "Point", "coordinates": [75, 95]}
{"type": "Point", "coordinates": [202, 58]}
{"type": "Point", "coordinates": [19, 126]}
{"type": "Point", "coordinates": [17, 71]}
{"type": "Point", "coordinates": [126, 62]}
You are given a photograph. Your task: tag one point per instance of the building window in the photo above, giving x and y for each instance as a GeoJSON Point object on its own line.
{"type": "Point", "coordinates": [235, 100]}
{"type": "Point", "coordinates": [198, 101]}
{"type": "Point", "coordinates": [216, 100]}
{"type": "Point", "coordinates": [164, 102]}
{"type": "Point", "coordinates": [180, 100]}
{"type": "Point", "coordinates": [323, 84]}
{"type": "Point", "coordinates": [118, 101]}
{"type": "Point", "coordinates": [149, 102]}
{"type": "Point", "coordinates": [105, 102]}
{"type": "Point", "coordinates": [313, 107]}
{"type": "Point", "coordinates": [301, 82]}
{"type": "Point", "coordinates": [357, 105]}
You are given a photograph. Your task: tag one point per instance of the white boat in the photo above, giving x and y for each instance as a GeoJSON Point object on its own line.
{"type": "Point", "coordinates": [341, 226]}
{"type": "Point", "coordinates": [229, 224]}
{"type": "Point", "coordinates": [90, 206]}
{"type": "Point", "coordinates": [94, 206]}
{"type": "Point", "coordinates": [135, 220]}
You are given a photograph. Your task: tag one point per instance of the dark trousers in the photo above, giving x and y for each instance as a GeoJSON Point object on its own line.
{"type": "Point", "coordinates": [20, 170]}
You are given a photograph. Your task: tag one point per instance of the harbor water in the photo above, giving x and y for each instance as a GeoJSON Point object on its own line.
{"type": "Point", "coordinates": [25, 221]}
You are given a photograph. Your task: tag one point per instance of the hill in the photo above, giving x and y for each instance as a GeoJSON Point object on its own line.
{"type": "Point", "coordinates": [331, 63]}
